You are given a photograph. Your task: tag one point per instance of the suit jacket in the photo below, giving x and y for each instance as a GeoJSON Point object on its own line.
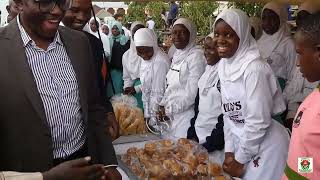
{"type": "Point", "coordinates": [25, 138]}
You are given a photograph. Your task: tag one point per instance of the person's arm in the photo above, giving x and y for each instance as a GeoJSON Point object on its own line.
{"type": "Point", "coordinates": [98, 137]}
{"type": "Point", "coordinates": [158, 87]}
{"type": "Point", "coordinates": [127, 81]}
{"type": "Point", "coordinates": [260, 87]}
{"type": "Point", "coordinates": [216, 140]}
{"type": "Point", "coordinates": [185, 99]}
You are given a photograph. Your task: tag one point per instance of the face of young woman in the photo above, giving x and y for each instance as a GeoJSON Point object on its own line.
{"type": "Point", "coordinates": [309, 57]}
{"type": "Point", "coordinates": [115, 31]}
{"type": "Point", "coordinates": [180, 36]}
{"type": "Point", "coordinates": [270, 21]}
{"type": "Point", "coordinates": [145, 52]}
{"type": "Point", "coordinates": [210, 51]}
{"type": "Point", "coordinates": [226, 39]}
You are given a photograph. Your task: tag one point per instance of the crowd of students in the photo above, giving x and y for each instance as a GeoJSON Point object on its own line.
{"type": "Point", "coordinates": [235, 95]}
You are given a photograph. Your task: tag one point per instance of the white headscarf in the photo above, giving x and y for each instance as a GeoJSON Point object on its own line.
{"type": "Point", "coordinates": [268, 43]}
{"type": "Point", "coordinates": [181, 54]}
{"type": "Point", "coordinates": [230, 69]}
{"type": "Point", "coordinates": [211, 72]}
{"type": "Point", "coordinates": [146, 37]}
{"type": "Point", "coordinates": [107, 27]}
{"type": "Point", "coordinates": [134, 60]}
{"type": "Point", "coordinates": [104, 38]}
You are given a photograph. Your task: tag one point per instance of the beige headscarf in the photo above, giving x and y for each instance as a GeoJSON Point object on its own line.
{"type": "Point", "coordinates": [268, 43]}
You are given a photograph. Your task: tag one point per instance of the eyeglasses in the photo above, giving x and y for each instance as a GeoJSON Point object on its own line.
{"type": "Point", "coordinates": [49, 5]}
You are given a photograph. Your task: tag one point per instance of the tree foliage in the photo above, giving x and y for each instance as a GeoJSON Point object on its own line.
{"type": "Point", "coordinates": [201, 13]}
{"type": "Point", "coordinates": [252, 9]}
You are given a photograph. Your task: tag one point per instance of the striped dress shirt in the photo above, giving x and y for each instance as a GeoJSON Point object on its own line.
{"type": "Point", "coordinates": [58, 88]}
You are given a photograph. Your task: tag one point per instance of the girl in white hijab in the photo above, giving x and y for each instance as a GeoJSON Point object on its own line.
{"type": "Point", "coordinates": [276, 44]}
{"type": "Point", "coordinates": [187, 66]}
{"type": "Point", "coordinates": [207, 127]}
{"type": "Point", "coordinates": [250, 95]}
{"type": "Point", "coordinates": [93, 29]}
{"type": "Point", "coordinates": [153, 70]}
{"type": "Point", "coordinates": [131, 67]}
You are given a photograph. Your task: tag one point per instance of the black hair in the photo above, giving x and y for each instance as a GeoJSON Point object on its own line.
{"type": "Point", "coordinates": [310, 28]}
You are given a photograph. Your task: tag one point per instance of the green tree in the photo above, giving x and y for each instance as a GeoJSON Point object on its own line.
{"type": "Point", "coordinates": [201, 13]}
{"type": "Point", "coordinates": [252, 9]}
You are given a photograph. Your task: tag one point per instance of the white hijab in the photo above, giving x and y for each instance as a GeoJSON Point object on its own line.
{"type": "Point", "coordinates": [211, 72]}
{"type": "Point", "coordinates": [146, 37]}
{"type": "Point", "coordinates": [107, 27]}
{"type": "Point", "coordinates": [230, 69]}
{"type": "Point", "coordinates": [104, 38]}
{"type": "Point", "coordinates": [134, 60]}
{"type": "Point", "coordinates": [181, 54]}
{"type": "Point", "coordinates": [268, 43]}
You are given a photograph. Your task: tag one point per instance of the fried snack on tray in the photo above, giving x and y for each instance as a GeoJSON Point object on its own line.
{"type": "Point", "coordinates": [214, 169]}
{"type": "Point", "coordinates": [220, 178]}
{"type": "Point", "coordinates": [166, 159]}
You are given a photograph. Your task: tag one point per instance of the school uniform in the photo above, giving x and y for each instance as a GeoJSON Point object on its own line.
{"type": "Point", "coordinates": [305, 140]}
{"type": "Point", "coordinates": [250, 96]}
{"type": "Point", "coordinates": [152, 72]}
{"type": "Point", "coordinates": [279, 49]}
{"type": "Point", "coordinates": [186, 68]}
{"type": "Point", "coordinates": [131, 68]}
{"type": "Point", "coordinates": [207, 127]}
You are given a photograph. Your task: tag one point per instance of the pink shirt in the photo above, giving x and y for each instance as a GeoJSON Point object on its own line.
{"type": "Point", "coordinates": [305, 139]}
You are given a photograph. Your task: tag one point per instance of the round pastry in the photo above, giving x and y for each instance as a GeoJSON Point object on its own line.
{"type": "Point", "coordinates": [132, 151]}
{"type": "Point", "coordinates": [166, 143]}
{"type": "Point", "coordinates": [164, 175]}
{"type": "Point", "coordinates": [156, 156]}
{"type": "Point", "coordinates": [126, 159]}
{"type": "Point", "coordinates": [219, 178]}
{"type": "Point", "coordinates": [202, 157]}
{"type": "Point", "coordinates": [183, 141]}
{"type": "Point", "coordinates": [137, 170]}
{"type": "Point", "coordinates": [150, 148]}
{"type": "Point", "coordinates": [180, 153]}
{"type": "Point", "coordinates": [155, 170]}
{"type": "Point", "coordinates": [176, 169]}
{"type": "Point", "coordinates": [214, 169]}
{"type": "Point", "coordinates": [202, 169]}
{"type": "Point", "coordinates": [191, 160]}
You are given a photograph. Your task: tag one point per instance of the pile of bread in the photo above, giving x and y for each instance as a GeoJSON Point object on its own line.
{"type": "Point", "coordinates": [165, 160]}
{"type": "Point", "coordinates": [130, 119]}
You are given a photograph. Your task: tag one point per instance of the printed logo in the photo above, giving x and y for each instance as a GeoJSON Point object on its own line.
{"type": "Point", "coordinates": [305, 165]}
{"type": "Point", "coordinates": [256, 161]}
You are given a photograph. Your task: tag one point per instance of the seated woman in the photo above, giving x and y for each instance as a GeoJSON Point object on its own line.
{"type": "Point", "coordinates": [153, 70]}
{"type": "Point", "coordinates": [207, 127]}
{"type": "Point", "coordinates": [250, 95]}
{"type": "Point", "coordinates": [187, 66]}
{"type": "Point", "coordinates": [276, 44]}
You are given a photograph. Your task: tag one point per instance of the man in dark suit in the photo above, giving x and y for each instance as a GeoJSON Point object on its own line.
{"type": "Point", "coordinates": [51, 111]}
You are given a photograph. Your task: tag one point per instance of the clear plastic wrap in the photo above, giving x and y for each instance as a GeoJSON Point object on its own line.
{"type": "Point", "coordinates": [168, 159]}
{"type": "Point", "coordinates": [128, 115]}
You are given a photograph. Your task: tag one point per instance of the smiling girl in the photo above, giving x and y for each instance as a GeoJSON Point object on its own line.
{"type": "Point", "coordinates": [256, 146]}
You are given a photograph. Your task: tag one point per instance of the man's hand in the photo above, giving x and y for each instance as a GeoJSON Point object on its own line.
{"type": "Point", "coordinates": [79, 169]}
{"type": "Point", "coordinates": [113, 126]}
{"type": "Point", "coordinates": [129, 91]}
{"type": "Point", "coordinates": [112, 173]}
{"type": "Point", "coordinates": [233, 168]}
